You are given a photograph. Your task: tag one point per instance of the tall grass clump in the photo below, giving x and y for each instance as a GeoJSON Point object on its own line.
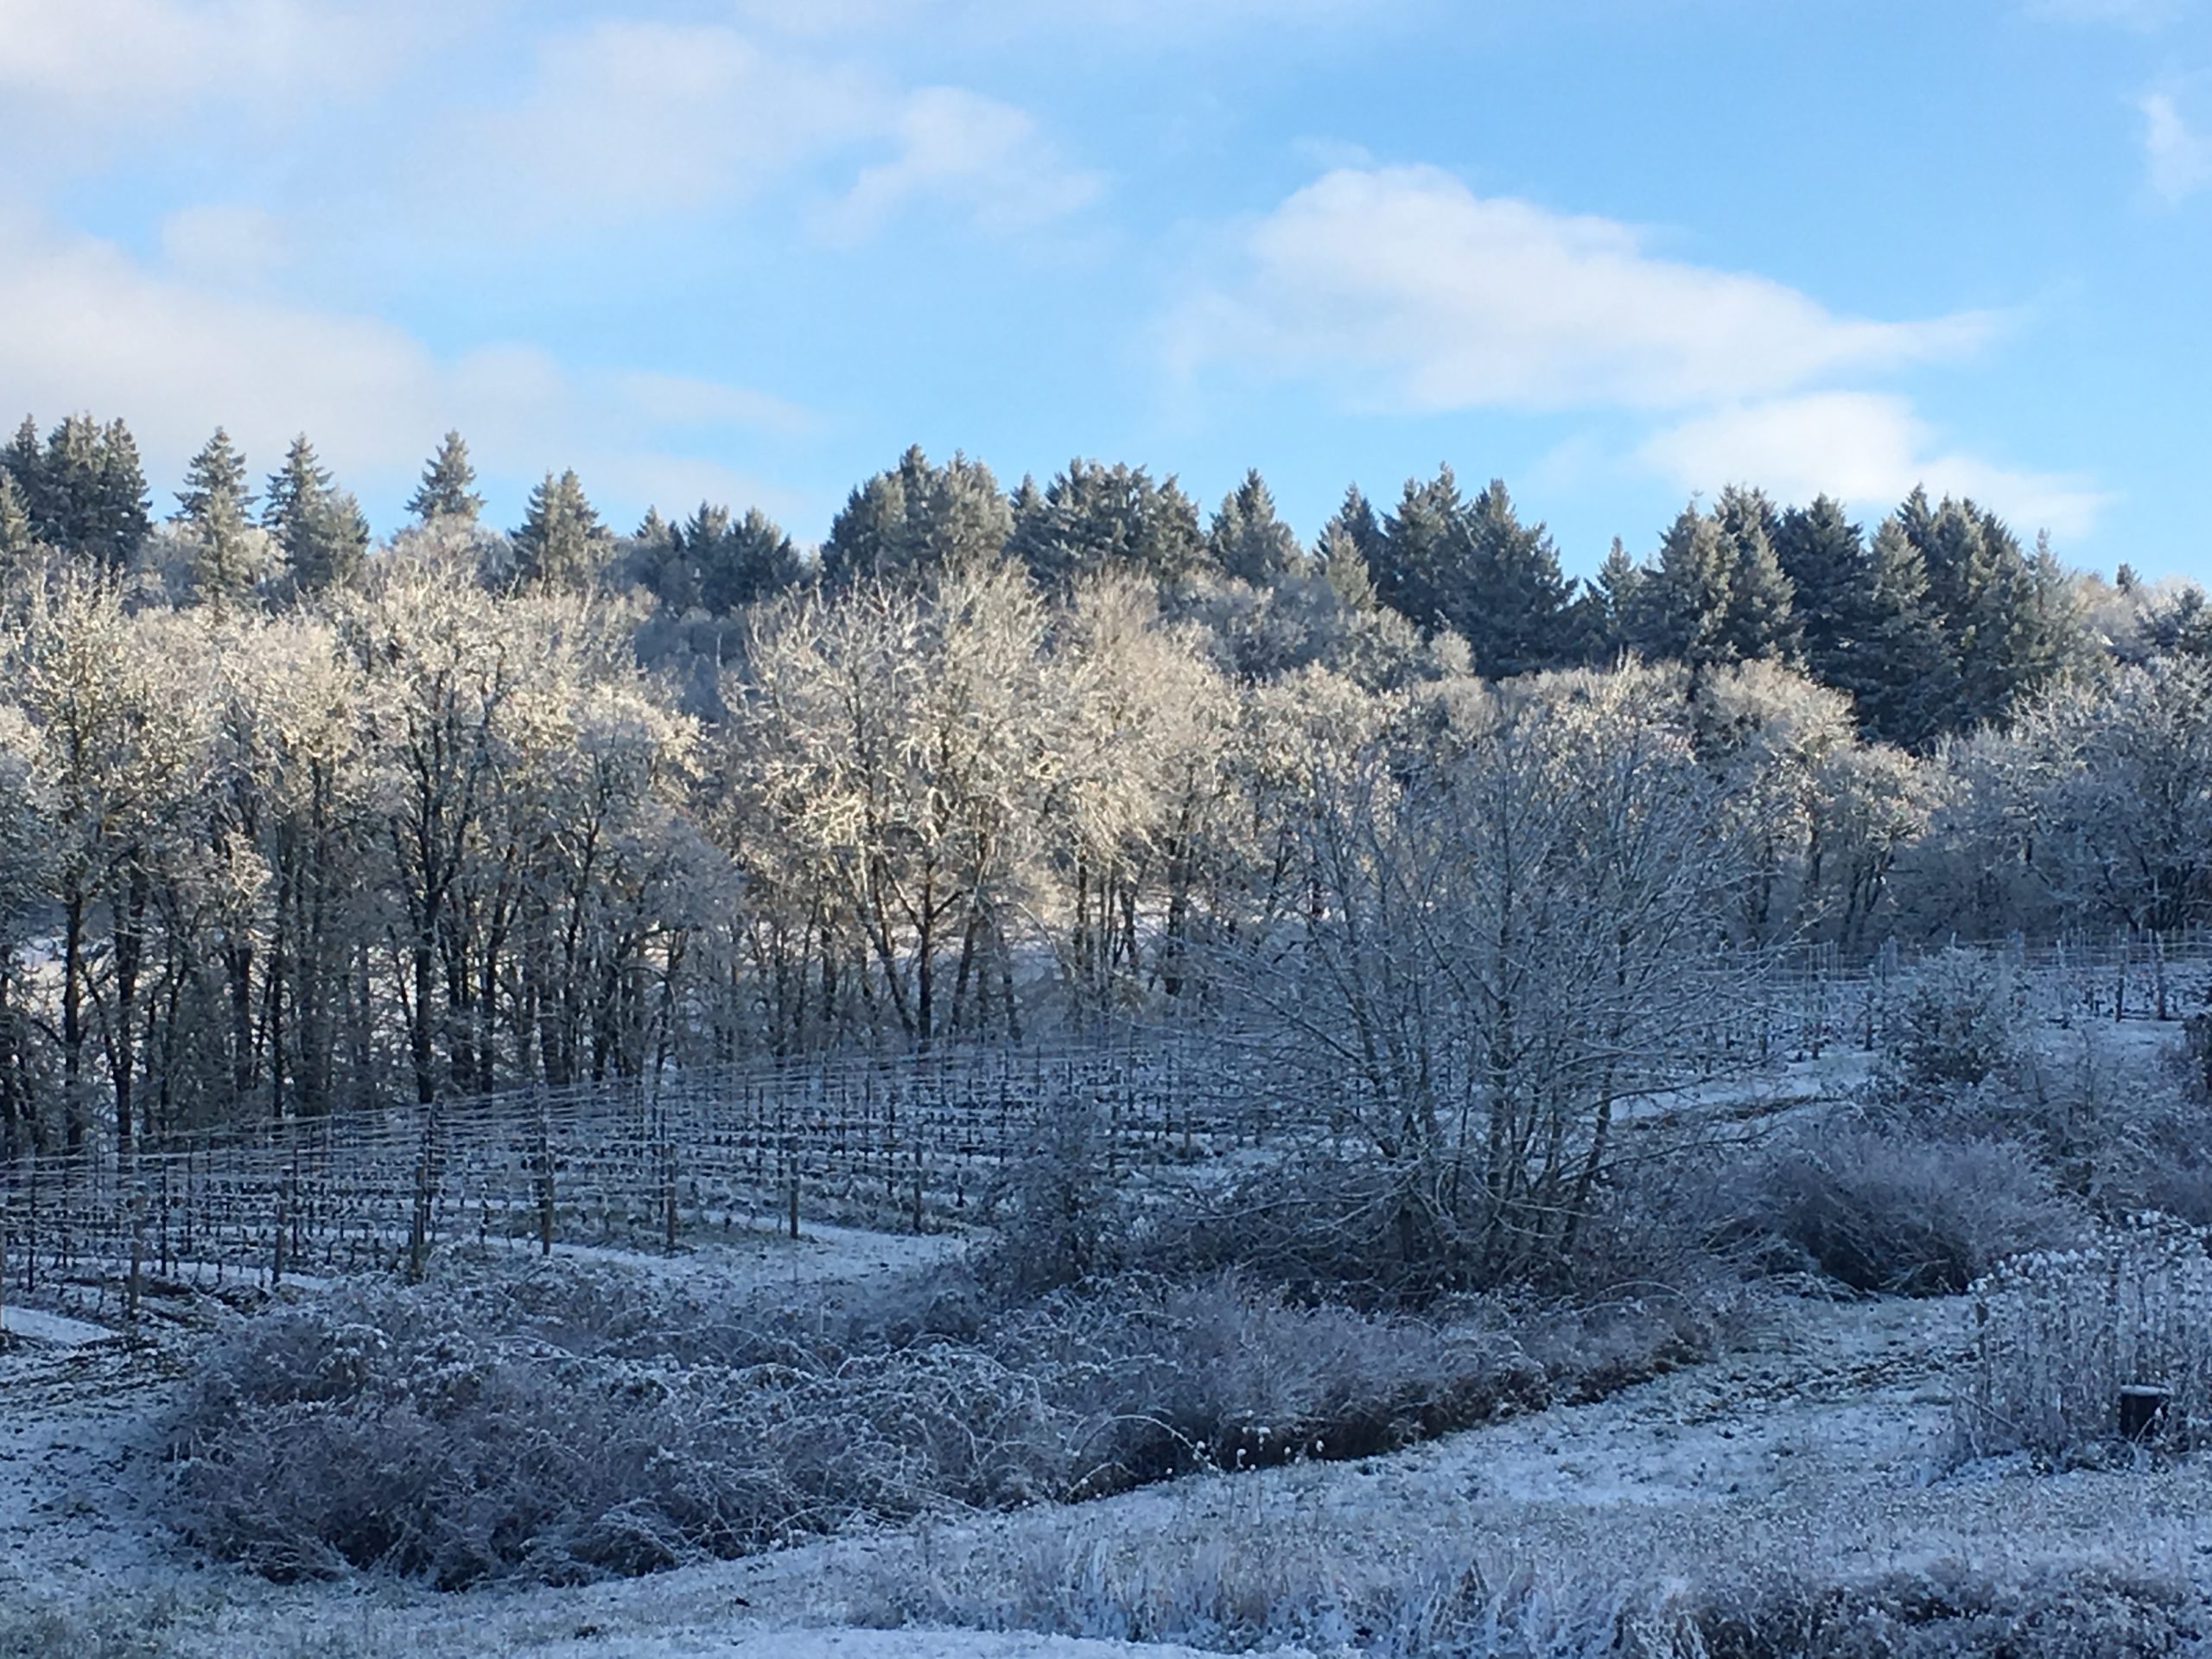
{"type": "Point", "coordinates": [2060, 1336]}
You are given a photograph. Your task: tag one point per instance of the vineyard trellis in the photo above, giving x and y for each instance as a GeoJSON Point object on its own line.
{"type": "Point", "coordinates": [907, 1142]}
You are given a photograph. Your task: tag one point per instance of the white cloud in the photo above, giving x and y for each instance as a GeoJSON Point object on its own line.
{"type": "Point", "coordinates": [126, 59]}
{"type": "Point", "coordinates": [1867, 449]}
{"type": "Point", "coordinates": [226, 243]}
{"type": "Point", "coordinates": [90, 327]}
{"type": "Point", "coordinates": [632, 119]}
{"type": "Point", "coordinates": [973, 153]}
{"type": "Point", "coordinates": [2179, 157]}
{"type": "Point", "coordinates": [1407, 290]}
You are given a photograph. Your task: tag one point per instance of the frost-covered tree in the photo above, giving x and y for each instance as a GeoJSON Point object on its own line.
{"type": "Point", "coordinates": [214, 507]}
{"type": "Point", "coordinates": [448, 485]}
{"type": "Point", "coordinates": [562, 544]}
{"type": "Point", "coordinates": [318, 528]}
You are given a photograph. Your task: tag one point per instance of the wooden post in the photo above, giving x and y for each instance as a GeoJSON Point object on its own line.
{"type": "Point", "coordinates": [3, 1271]}
{"type": "Point", "coordinates": [794, 1201]}
{"type": "Point", "coordinates": [2158, 975]}
{"type": "Point", "coordinates": [276, 1248]}
{"type": "Point", "coordinates": [544, 1174]}
{"type": "Point", "coordinates": [2141, 1409]}
{"type": "Point", "coordinates": [134, 1285]}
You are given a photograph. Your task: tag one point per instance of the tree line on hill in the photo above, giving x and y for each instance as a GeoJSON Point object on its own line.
{"type": "Point", "coordinates": [292, 820]}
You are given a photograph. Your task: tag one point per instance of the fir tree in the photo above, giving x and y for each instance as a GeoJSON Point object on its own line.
{"type": "Point", "coordinates": [1824, 554]}
{"type": "Point", "coordinates": [1894, 663]}
{"type": "Point", "coordinates": [918, 518]}
{"type": "Point", "coordinates": [17, 539]}
{"type": "Point", "coordinates": [22, 460]}
{"type": "Point", "coordinates": [321, 530]}
{"type": "Point", "coordinates": [1248, 541]}
{"type": "Point", "coordinates": [1689, 596]}
{"type": "Point", "coordinates": [1356, 519]}
{"type": "Point", "coordinates": [1617, 601]}
{"type": "Point", "coordinates": [448, 486]}
{"type": "Point", "coordinates": [1507, 598]}
{"type": "Point", "coordinates": [1762, 616]}
{"type": "Point", "coordinates": [1419, 550]}
{"type": "Point", "coordinates": [214, 504]}
{"type": "Point", "coordinates": [1093, 518]}
{"type": "Point", "coordinates": [561, 544]}
{"type": "Point", "coordinates": [1343, 569]}
{"type": "Point", "coordinates": [752, 562]}
{"type": "Point", "coordinates": [121, 517]}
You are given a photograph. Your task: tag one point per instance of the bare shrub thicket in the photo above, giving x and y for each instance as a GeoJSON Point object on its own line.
{"type": "Point", "coordinates": [2060, 1335]}
{"type": "Point", "coordinates": [1493, 937]}
{"type": "Point", "coordinates": [561, 1430]}
{"type": "Point", "coordinates": [1894, 1211]}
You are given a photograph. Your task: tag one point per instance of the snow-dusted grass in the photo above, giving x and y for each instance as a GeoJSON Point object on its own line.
{"type": "Point", "coordinates": [563, 1424]}
{"type": "Point", "coordinates": [2060, 1334]}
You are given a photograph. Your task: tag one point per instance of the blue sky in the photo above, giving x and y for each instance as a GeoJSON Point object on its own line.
{"type": "Point", "coordinates": [1612, 251]}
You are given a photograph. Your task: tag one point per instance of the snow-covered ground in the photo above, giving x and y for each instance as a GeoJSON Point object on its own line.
{"type": "Point", "coordinates": [1820, 1438]}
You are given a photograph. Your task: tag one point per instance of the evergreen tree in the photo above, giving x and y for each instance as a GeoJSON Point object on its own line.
{"type": "Point", "coordinates": [561, 544]}
{"type": "Point", "coordinates": [918, 518]}
{"type": "Point", "coordinates": [1894, 662]}
{"type": "Point", "coordinates": [1248, 541]}
{"type": "Point", "coordinates": [1093, 518]}
{"type": "Point", "coordinates": [1762, 617]}
{"type": "Point", "coordinates": [1356, 519]}
{"type": "Point", "coordinates": [213, 505]}
{"type": "Point", "coordinates": [121, 517]}
{"type": "Point", "coordinates": [17, 539]}
{"type": "Point", "coordinates": [1343, 569]}
{"type": "Point", "coordinates": [1617, 601]}
{"type": "Point", "coordinates": [725, 564]}
{"type": "Point", "coordinates": [22, 460]}
{"type": "Point", "coordinates": [1688, 598]}
{"type": "Point", "coordinates": [1507, 598]}
{"type": "Point", "coordinates": [321, 530]}
{"type": "Point", "coordinates": [1825, 556]}
{"type": "Point", "coordinates": [448, 486]}
{"type": "Point", "coordinates": [1419, 550]}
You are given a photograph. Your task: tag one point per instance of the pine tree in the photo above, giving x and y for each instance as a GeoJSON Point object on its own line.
{"type": "Point", "coordinates": [1507, 598]}
{"type": "Point", "coordinates": [214, 504]}
{"type": "Point", "coordinates": [1762, 622]}
{"type": "Point", "coordinates": [1421, 550]}
{"type": "Point", "coordinates": [752, 562]}
{"type": "Point", "coordinates": [121, 517]}
{"type": "Point", "coordinates": [23, 460]}
{"type": "Point", "coordinates": [1248, 541]}
{"type": "Point", "coordinates": [17, 540]}
{"type": "Point", "coordinates": [321, 530]}
{"type": "Point", "coordinates": [1343, 569]}
{"type": "Point", "coordinates": [1093, 518]}
{"type": "Point", "coordinates": [1690, 594]}
{"type": "Point", "coordinates": [1618, 597]}
{"type": "Point", "coordinates": [1824, 554]}
{"type": "Point", "coordinates": [448, 486]}
{"type": "Point", "coordinates": [918, 518]}
{"type": "Point", "coordinates": [1894, 663]}
{"type": "Point", "coordinates": [562, 544]}
{"type": "Point", "coordinates": [1357, 519]}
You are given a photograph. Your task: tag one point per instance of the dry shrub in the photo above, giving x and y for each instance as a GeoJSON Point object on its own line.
{"type": "Point", "coordinates": [552, 1427]}
{"type": "Point", "coordinates": [1898, 1212]}
{"type": "Point", "coordinates": [2059, 1334]}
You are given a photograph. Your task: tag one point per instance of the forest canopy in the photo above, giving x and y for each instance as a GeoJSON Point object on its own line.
{"type": "Point", "coordinates": [294, 819]}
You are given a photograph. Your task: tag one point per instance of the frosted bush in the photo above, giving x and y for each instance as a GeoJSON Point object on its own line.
{"type": "Point", "coordinates": [2059, 1334]}
{"type": "Point", "coordinates": [1898, 1212]}
{"type": "Point", "coordinates": [547, 1427]}
{"type": "Point", "coordinates": [1957, 1023]}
